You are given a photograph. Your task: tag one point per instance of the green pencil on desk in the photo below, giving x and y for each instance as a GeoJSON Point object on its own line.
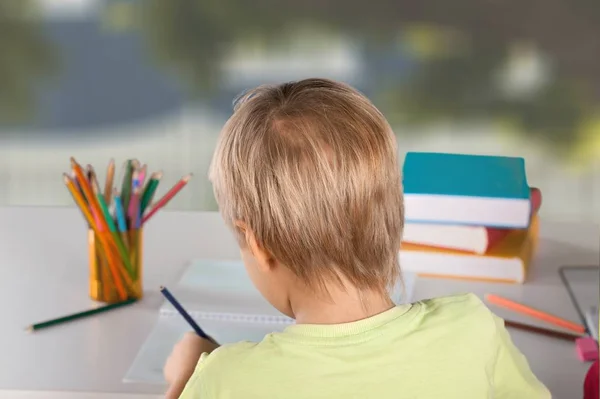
{"type": "Point", "coordinates": [76, 316]}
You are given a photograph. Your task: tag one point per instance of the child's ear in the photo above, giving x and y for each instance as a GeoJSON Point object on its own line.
{"type": "Point", "coordinates": [241, 227]}
{"type": "Point", "coordinates": [262, 256]}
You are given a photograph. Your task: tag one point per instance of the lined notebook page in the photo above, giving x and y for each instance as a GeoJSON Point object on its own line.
{"type": "Point", "coordinates": [221, 290]}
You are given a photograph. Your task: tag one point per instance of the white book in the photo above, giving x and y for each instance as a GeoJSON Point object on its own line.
{"type": "Point", "coordinates": [511, 269]}
{"type": "Point", "coordinates": [473, 239]}
{"type": "Point", "coordinates": [221, 298]}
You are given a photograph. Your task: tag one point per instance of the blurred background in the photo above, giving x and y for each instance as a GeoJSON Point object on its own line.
{"type": "Point", "coordinates": [155, 79]}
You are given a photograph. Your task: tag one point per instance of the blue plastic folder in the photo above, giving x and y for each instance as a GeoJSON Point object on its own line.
{"type": "Point", "coordinates": [466, 190]}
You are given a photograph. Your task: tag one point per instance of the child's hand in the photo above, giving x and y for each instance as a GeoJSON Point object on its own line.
{"type": "Point", "coordinates": [184, 357]}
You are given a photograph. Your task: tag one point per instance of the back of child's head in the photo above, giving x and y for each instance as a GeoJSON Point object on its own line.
{"type": "Point", "coordinates": [311, 168]}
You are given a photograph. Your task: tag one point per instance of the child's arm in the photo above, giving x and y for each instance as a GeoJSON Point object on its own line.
{"type": "Point", "coordinates": [175, 390]}
{"type": "Point", "coordinates": [512, 376]}
{"type": "Point", "coordinates": [183, 360]}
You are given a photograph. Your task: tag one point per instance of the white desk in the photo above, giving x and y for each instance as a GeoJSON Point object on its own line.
{"type": "Point", "coordinates": [43, 272]}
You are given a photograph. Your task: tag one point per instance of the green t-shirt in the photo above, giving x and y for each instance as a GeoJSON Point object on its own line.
{"type": "Point", "coordinates": [451, 347]}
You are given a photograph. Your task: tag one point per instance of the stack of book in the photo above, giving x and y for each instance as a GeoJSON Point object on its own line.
{"type": "Point", "coordinates": [468, 216]}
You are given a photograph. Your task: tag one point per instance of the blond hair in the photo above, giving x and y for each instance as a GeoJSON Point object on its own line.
{"type": "Point", "coordinates": [311, 168]}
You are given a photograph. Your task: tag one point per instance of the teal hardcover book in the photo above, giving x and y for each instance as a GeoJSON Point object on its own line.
{"type": "Point", "coordinates": [466, 189]}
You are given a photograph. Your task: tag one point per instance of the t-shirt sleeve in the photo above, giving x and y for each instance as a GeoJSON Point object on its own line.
{"type": "Point", "coordinates": [194, 388]}
{"type": "Point", "coordinates": [216, 371]}
{"type": "Point", "coordinates": [512, 376]}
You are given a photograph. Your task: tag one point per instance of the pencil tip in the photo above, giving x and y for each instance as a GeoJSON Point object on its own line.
{"type": "Point", "coordinates": [29, 329]}
{"type": "Point", "coordinates": [162, 288]}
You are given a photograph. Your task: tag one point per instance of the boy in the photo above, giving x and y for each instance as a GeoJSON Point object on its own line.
{"type": "Point", "coordinates": [306, 174]}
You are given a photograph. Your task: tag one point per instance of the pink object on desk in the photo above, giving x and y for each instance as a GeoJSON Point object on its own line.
{"type": "Point", "coordinates": [590, 387]}
{"type": "Point", "coordinates": [587, 349]}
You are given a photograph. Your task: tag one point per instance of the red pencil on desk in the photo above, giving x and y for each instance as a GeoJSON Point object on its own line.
{"type": "Point", "coordinates": [167, 197]}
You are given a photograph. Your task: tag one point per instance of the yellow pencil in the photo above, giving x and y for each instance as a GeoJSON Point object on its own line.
{"type": "Point", "coordinates": [79, 201]}
{"type": "Point", "coordinates": [84, 183]}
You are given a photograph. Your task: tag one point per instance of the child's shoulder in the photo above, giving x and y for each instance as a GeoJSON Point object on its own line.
{"type": "Point", "coordinates": [237, 355]}
{"type": "Point", "coordinates": [457, 303]}
{"type": "Point", "coordinates": [230, 365]}
{"type": "Point", "coordinates": [462, 310]}
{"type": "Point", "coordinates": [226, 353]}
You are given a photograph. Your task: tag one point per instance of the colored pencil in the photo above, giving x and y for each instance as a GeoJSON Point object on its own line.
{"type": "Point", "coordinates": [132, 205]}
{"type": "Point", "coordinates": [117, 235]}
{"type": "Point", "coordinates": [531, 312]}
{"type": "Point", "coordinates": [126, 184]}
{"type": "Point", "coordinates": [136, 218]}
{"type": "Point", "coordinates": [77, 316]}
{"type": "Point", "coordinates": [142, 175]}
{"type": "Point", "coordinates": [542, 331]}
{"type": "Point", "coordinates": [167, 197]}
{"type": "Point", "coordinates": [85, 185]}
{"type": "Point", "coordinates": [112, 238]}
{"type": "Point", "coordinates": [108, 185]}
{"type": "Point", "coordinates": [105, 214]}
{"type": "Point", "coordinates": [71, 175]}
{"type": "Point", "coordinates": [113, 230]}
{"type": "Point", "coordinates": [89, 218]}
{"type": "Point", "coordinates": [88, 172]}
{"type": "Point", "coordinates": [169, 297]}
{"type": "Point", "coordinates": [79, 200]}
{"type": "Point", "coordinates": [121, 222]}
{"type": "Point", "coordinates": [149, 191]}
{"type": "Point", "coordinates": [93, 181]}
{"type": "Point", "coordinates": [101, 227]}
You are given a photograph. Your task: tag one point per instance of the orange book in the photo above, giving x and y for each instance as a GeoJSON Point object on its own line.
{"type": "Point", "coordinates": [507, 261]}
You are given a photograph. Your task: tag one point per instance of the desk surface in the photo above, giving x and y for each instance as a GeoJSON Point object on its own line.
{"type": "Point", "coordinates": [43, 270]}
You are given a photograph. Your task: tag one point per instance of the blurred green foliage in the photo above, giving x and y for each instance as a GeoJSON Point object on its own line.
{"type": "Point", "coordinates": [193, 36]}
{"type": "Point", "coordinates": [25, 57]}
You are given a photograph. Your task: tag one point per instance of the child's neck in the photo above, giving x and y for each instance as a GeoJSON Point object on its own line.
{"type": "Point", "coordinates": [341, 306]}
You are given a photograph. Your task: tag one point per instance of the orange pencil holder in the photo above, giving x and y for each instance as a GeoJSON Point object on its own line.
{"type": "Point", "coordinates": [115, 265]}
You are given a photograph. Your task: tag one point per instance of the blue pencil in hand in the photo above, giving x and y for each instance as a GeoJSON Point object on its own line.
{"type": "Point", "coordinates": [169, 297]}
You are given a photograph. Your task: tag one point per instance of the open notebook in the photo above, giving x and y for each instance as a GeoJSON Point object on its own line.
{"type": "Point", "coordinates": [221, 298]}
